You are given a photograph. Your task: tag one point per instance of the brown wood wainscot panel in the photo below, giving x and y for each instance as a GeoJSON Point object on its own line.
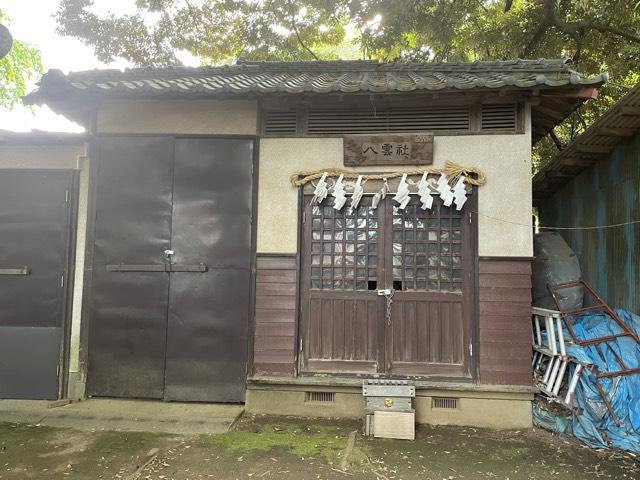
{"type": "Point", "coordinates": [275, 315]}
{"type": "Point", "coordinates": [505, 321]}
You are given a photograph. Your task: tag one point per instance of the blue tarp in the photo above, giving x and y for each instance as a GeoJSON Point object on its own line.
{"type": "Point", "coordinates": [593, 423]}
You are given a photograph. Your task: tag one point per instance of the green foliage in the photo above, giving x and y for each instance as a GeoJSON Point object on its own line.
{"type": "Point", "coordinates": [16, 69]}
{"type": "Point", "coordinates": [599, 35]}
{"type": "Point", "coordinates": [217, 31]}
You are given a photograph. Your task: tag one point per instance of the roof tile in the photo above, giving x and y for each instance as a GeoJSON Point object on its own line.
{"type": "Point", "coordinates": [318, 77]}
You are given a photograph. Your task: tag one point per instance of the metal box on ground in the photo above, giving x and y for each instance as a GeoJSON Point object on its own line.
{"type": "Point", "coordinates": [399, 425]}
{"type": "Point", "coordinates": [392, 397]}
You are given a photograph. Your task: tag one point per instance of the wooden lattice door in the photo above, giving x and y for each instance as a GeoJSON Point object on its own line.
{"type": "Point", "coordinates": [342, 313]}
{"type": "Point", "coordinates": [424, 258]}
{"type": "Point", "coordinates": [429, 262]}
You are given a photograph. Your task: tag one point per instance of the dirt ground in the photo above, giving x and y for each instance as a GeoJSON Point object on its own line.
{"type": "Point", "coordinates": [267, 448]}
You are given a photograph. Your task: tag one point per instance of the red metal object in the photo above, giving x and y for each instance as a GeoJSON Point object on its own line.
{"type": "Point", "coordinates": [599, 305]}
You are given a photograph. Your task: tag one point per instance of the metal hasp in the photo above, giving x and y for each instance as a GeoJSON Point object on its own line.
{"type": "Point", "coordinates": [200, 268]}
{"type": "Point", "coordinates": [599, 306]}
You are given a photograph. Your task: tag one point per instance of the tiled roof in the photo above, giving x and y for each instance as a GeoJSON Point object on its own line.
{"type": "Point", "coordinates": [261, 78]}
{"type": "Point", "coordinates": [617, 124]}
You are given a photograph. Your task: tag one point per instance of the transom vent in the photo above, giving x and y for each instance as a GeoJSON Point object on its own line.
{"type": "Point", "coordinates": [322, 397]}
{"type": "Point", "coordinates": [369, 120]}
{"type": "Point", "coordinates": [280, 123]}
{"type": "Point", "coordinates": [498, 117]}
{"type": "Point", "coordinates": [372, 120]}
{"type": "Point", "coordinates": [447, 403]}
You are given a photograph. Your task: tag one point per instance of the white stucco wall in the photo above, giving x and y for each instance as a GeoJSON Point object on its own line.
{"type": "Point", "coordinates": [40, 156]}
{"type": "Point", "coordinates": [215, 117]}
{"type": "Point", "coordinates": [60, 157]}
{"type": "Point", "coordinates": [506, 160]}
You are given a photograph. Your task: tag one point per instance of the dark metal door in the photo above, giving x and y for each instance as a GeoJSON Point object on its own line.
{"type": "Point", "coordinates": [130, 287]}
{"type": "Point", "coordinates": [211, 232]}
{"type": "Point", "coordinates": [429, 264]}
{"type": "Point", "coordinates": [35, 216]}
{"type": "Point", "coordinates": [172, 268]}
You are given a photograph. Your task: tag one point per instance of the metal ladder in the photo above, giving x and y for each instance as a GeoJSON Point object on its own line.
{"type": "Point", "coordinates": [599, 306]}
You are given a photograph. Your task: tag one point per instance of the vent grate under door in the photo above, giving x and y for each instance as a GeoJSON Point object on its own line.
{"type": "Point", "coordinates": [499, 117]}
{"type": "Point", "coordinates": [323, 397]}
{"type": "Point", "coordinates": [446, 403]}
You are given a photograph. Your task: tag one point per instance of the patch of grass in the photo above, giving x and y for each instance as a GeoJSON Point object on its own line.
{"type": "Point", "coordinates": [22, 433]}
{"type": "Point", "coordinates": [303, 440]}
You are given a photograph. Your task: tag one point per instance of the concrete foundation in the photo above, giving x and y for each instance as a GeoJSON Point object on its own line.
{"type": "Point", "coordinates": [124, 415]}
{"type": "Point", "coordinates": [473, 407]}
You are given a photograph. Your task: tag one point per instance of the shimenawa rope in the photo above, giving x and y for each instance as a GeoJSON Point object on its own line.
{"type": "Point", "coordinates": [451, 169]}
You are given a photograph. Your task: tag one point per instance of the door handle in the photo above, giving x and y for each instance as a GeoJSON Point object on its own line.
{"type": "Point", "coordinates": [200, 268]}
{"type": "Point", "coordinates": [136, 268]}
{"type": "Point", "coordinates": [15, 271]}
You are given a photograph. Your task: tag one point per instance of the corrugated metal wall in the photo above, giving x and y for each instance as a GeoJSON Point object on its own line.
{"type": "Point", "coordinates": [606, 193]}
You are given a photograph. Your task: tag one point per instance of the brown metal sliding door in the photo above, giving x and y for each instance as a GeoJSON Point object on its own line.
{"type": "Point", "coordinates": [208, 310]}
{"type": "Point", "coordinates": [130, 285]}
{"type": "Point", "coordinates": [171, 277]}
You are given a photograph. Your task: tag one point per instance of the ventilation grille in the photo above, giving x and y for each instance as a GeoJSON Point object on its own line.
{"type": "Point", "coordinates": [499, 117]}
{"type": "Point", "coordinates": [281, 123]}
{"type": "Point", "coordinates": [444, 402]}
{"type": "Point", "coordinates": [324, 397]}
{"type": "Point", "coordinates": [370, 120]}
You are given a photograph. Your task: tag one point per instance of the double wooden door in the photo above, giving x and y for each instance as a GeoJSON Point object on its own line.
{"type": "Point", "coordinates": [386, 290]}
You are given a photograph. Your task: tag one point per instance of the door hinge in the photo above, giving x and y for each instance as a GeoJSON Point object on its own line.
{"type": "Point", "coordinates": [471, 349]}
{"type": "Point", "coordinates": [66, 196]}
{"type": "Point", "coordinates": [62, 280]}
{"type": "Point", "coordinates": [304, 218]}
{"type": "Point", "coordinates": [301, 344]}
{"type": "Point", "coordinates": [469, 217]}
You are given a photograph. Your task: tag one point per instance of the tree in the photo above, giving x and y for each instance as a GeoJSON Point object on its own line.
{"type": "Point", "coordinates": [214, 30]}
{"type": "Point", "coordinates": [16, 69]}
{"type": "Point", "coordinates": [599, 35]}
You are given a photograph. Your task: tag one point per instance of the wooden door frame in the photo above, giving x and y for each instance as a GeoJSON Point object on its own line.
{"type": "Point", "coordinates": [304, 280]}
{"type": "Point", "coordinates": [469, 309]}
{"type": "Point", "coordinates": [471, 316]}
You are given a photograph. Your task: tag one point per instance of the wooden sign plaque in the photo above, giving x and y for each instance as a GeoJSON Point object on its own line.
{"type": "Point", "coordinates": [373, 150]}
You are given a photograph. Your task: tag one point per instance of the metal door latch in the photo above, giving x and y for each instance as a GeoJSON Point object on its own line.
{"type": "Point", "coordinates": [168, 253]}
{"type": "Point", "coordinates": [387, 293]}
